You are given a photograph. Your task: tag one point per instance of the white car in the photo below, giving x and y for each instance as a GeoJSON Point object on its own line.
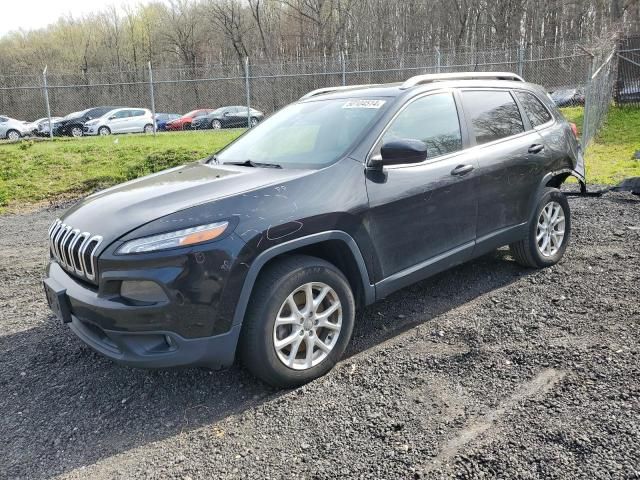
{"type": "Point", "coordinates": [37, 127]}
{"type": "Point", "coordinates": [121, 120]}
{"type": "Point", "coordinates": [12, 129]}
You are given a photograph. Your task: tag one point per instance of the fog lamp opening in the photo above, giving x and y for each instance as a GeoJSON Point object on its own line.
{"type": "Point", "coordinates": [144, 291]}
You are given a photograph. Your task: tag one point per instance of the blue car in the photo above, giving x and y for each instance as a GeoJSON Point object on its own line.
{"type": "Point", "coordinates": [163, 118]}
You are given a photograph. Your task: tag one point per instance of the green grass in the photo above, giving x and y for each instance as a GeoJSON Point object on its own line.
{"type": "Point", "coordinates": [35, 171]}
{"type": "Point", "coordinates": [609, 157]}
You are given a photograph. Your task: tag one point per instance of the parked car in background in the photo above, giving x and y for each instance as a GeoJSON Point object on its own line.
{"type": "Point", "coordinates": [43, 126]}
{"type": "Point", "coordinates": [163, 118]}
{"type": "Point", "coordinates": [185, 121]}
{"type": "Point", "coordinates": [12, 129]}
{"type": "Point", "coordinates": [73, 124]}
{"type": "Point", "coordinates": [568, 97]}
{"type": "Point", "coordinates": [121, 120]}
{"type": "Point", "coordinates": [228, 117]}
{"type": "Point", "coordinates": [32, 127]}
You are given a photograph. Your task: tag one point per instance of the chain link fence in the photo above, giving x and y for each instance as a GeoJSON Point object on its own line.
{"type": "Point", "coordinates": [582, 76]}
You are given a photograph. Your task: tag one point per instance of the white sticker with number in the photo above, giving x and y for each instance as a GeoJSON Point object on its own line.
{"type": "Point", "coordinates": [364, 104]}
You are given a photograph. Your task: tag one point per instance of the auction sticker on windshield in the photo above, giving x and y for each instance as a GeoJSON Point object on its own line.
{"type": "Point", "coordinates": [364, 104]}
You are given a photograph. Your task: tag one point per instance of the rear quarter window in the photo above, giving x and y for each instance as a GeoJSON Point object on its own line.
{"type": "Point", "coordinates": [534, 109]}
{"type": "Point", "coordinates": [493, 114]}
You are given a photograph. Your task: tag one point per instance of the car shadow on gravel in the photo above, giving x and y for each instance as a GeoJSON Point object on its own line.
{"type": "Point", "coordinates": [64, 405]}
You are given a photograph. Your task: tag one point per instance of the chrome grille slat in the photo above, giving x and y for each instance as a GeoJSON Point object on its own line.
{"type": "Point", "coordinates": [74, 250]}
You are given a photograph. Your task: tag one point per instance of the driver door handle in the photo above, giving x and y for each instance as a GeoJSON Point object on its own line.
{"type": "Point", "coordinates": [536, 148]}
{"type": "Point", "coordinates": [461, 170]}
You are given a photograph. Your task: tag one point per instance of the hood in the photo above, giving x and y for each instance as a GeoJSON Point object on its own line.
{"type": "Point", "coordinates": [115, 211]}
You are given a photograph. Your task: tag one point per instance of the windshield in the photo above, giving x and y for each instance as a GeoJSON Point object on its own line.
{"type": "Point", "coordinates": [76, 114]}
{"type": "Point", "coordinates": [305, 135]}
{"type": "Point", "coordinates": [192, 113]}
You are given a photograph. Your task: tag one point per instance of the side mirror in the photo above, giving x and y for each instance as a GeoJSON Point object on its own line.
{"type": "Point", "coordinates": [226, 114]}
{"type": "Point", "coordinates": [112, 117]}
{"type": "Point", "coordinates": [398, 152]}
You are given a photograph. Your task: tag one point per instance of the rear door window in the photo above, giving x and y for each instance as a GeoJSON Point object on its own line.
{"type": "Point", "coordinates": [432, 119]}
{"type": "Point", "coordinates": [493, 114]}
{"type": "Point", "coordinates": [534, 109]}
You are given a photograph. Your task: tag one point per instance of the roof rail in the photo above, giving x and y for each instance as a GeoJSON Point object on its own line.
{"type": "Point", "coordinates": [438, 77]}
{"type": "Point", "coordinates": [322, 91]}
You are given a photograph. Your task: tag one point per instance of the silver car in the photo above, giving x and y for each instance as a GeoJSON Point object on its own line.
{"type": "Point", "coordinates": [12, 129]}
{"type": "Point", "coordinates": [121, 120]}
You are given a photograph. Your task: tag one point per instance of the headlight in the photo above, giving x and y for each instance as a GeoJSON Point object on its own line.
{"type": "Point", "coordinates": [91, 122]}
{"type": "Point", "coordinates": [179, 238]}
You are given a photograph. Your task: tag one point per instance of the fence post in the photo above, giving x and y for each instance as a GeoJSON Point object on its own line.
{"type": "Point", "coordinates": [588, 101]}
{"type": "Point", "coordinates": [521, 50]}
{"type": "Point", "coordinates": [248, 88]}
{"type": "Point", "coordinates": [153, 100]}
{"type": "Point", "coordinates": [46, 100]}
{"type": "Point", "coordinates": [438, 60]}
{"type": "Point", "coordinates": [344, 67]}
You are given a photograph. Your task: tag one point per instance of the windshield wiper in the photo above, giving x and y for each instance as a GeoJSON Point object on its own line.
{"type": "Point", "coordinates": [251, 163]}
{"type": "Point", "coordinates": [211, 158]}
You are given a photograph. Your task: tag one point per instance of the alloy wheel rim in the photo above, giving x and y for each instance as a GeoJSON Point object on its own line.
{"type": "Point", "coordinates": [307, 326]}
{"type": "Point", "coordinates": [216, 125]}
{"type": "Point", "coordinates": [551, 229]}
{"type": "Point", "coordinates": [14, 135]}
{"type": "Point", "coordinates": [254, 122]}
{"type": "Point", "coordinates": [76, 132]}
{"type": "Point", "coordinates": [104, 132]}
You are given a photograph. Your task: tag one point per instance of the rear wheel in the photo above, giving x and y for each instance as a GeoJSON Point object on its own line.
{"type": "Point", "coordinates": [548, 234]}
{"type": "Point", "coordinates": [148, 128]}
{"type": "Point", "coordinates": [104, 131]}
{"type": "Point", "coordinates": [299, 321]}
{"type": "Point", "coordinates": [13, 135]}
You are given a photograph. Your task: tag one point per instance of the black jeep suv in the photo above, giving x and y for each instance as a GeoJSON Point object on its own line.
{"type": "Point", "coordinates": [267, 249]}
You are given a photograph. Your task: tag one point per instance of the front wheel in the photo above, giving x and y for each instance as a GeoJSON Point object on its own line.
{"type": "Point", "coordinates": [76, 131]}
{"type": "Point", "coordinates": [253, 122]}
{"type": "Point", "coordinates": [104, 131]}
{"type": "Point", "coordinates": [216, 124]}
{"type": "Point", "coordinates": [299, 321]}
{"type": "Point", "coordinates": [13, 135]}
{"type": "Point", "coordinates": [548, 234]}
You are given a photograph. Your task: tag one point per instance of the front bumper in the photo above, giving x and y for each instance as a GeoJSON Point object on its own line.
{"type": "Point", "coordinates": [190, 327]}
{"type": "Point", "coordinates": [90, 130]}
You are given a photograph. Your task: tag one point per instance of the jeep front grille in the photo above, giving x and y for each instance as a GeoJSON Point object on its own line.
{"type": "Point", "coordinates": [74, 250]}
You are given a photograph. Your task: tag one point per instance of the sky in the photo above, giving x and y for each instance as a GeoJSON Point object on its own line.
{"type": "Point", "coordinates": [33, 14]}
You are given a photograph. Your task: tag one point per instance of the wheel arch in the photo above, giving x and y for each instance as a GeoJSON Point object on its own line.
{"type": "Point", "coordinates": [553, 179]}
{"type": "Point", "coordinates": [336, 247]}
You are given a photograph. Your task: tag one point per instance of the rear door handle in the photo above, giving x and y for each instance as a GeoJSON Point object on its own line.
{"type": "Point", "coordinates": [536, 148]}
{"type": "Point", "coordinates": [461, 170]}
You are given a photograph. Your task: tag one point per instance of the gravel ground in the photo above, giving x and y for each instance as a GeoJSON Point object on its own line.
{"type": "Point", "coordinates": [486, 371]}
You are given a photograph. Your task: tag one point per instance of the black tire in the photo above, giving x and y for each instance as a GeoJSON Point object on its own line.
{"type": "Point", "coordinates": [254, 121]}
{"type": "Point", "coordinates": [270, 291]}
{"type": "Point", "coordinates": [104, 131]}
{"type": "Point", "coordinates": [13, 135]}
{"type": "Point", "coordinates": [76, 131]}
{"type": "Point", "coordinates": [527, 251]}
{"type": "Point", "coordinates": [148, 128]}
{"type": "Point", "coordinates": [186, 126]}
{"type": "Point", "coordinates": [216, 124]}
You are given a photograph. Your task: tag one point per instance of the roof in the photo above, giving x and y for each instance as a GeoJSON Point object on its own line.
{"type": "Point", "coordinates": [427, 82]}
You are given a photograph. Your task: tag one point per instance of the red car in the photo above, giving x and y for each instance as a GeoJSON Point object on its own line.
{"type": "Point", "coordinates": [184, 122]}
